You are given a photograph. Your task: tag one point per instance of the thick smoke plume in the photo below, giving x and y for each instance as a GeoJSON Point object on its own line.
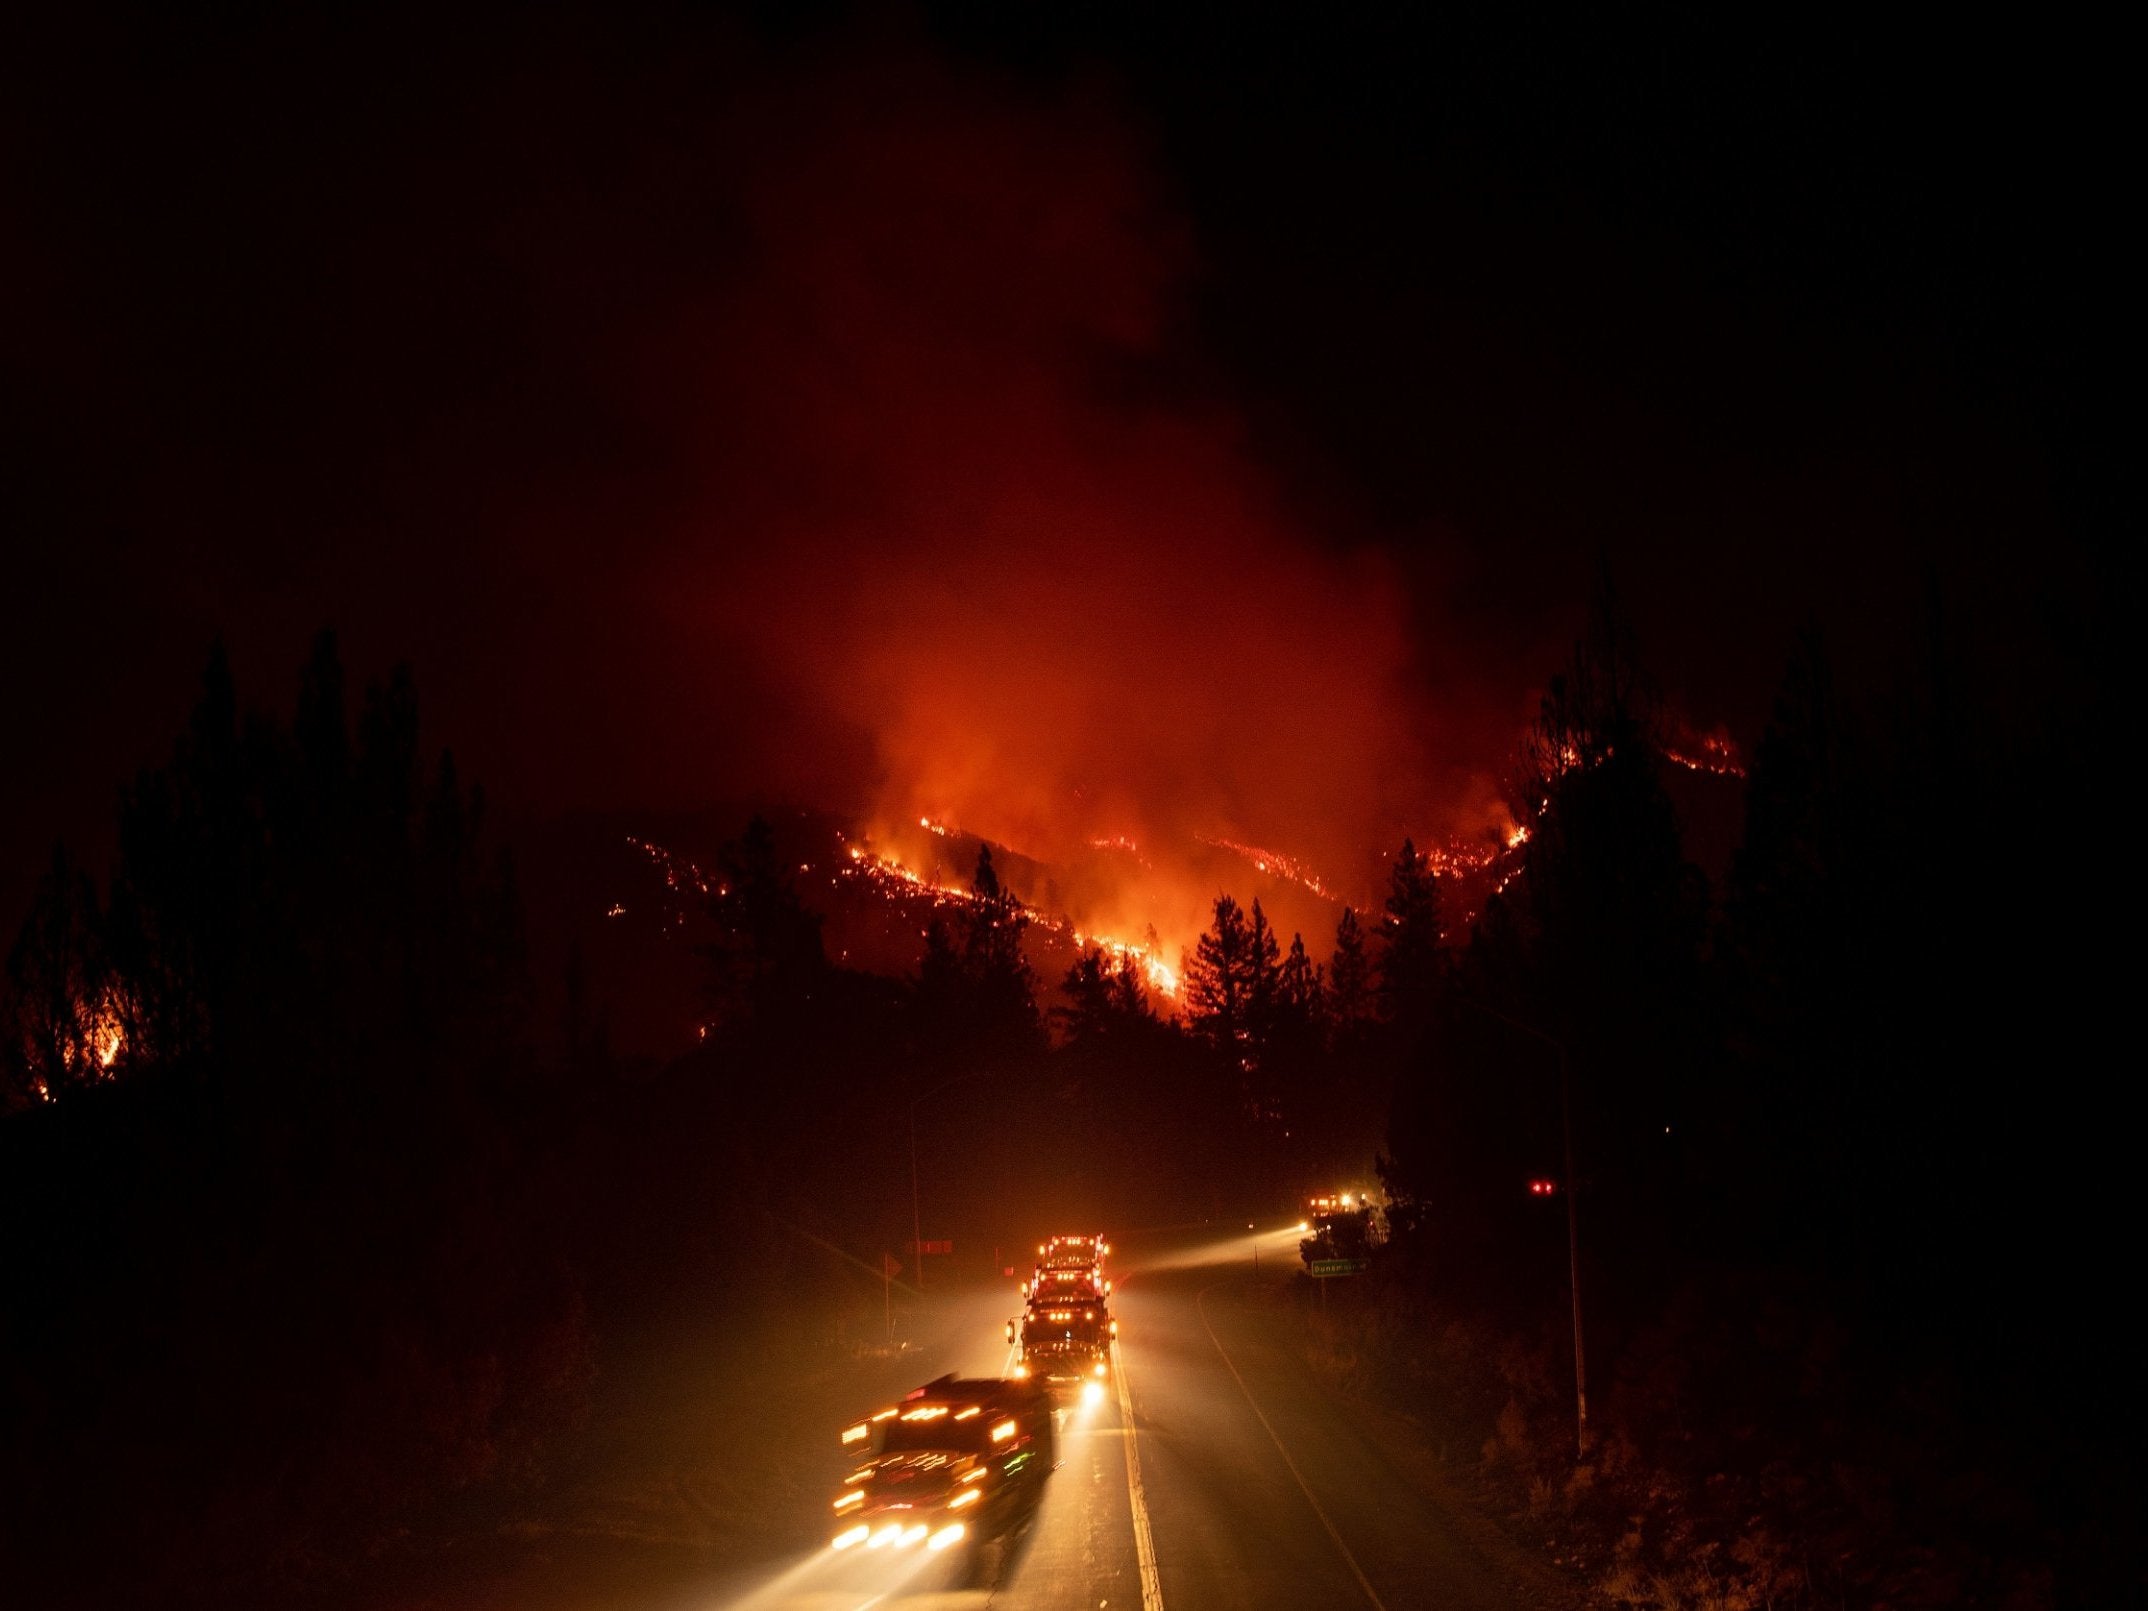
{"type": "Point", "coordinates": [1069, 611]}
{"type": "Point", "coordinates": [705, 424]}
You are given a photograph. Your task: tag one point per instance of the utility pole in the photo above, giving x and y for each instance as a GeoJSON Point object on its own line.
{"type": "Point", "coordinates": [1573, 1212]}
{"type": "Point", "coordinates": [917, 1230]}
{"type": "Point", "coordinates": [1573, 1260]}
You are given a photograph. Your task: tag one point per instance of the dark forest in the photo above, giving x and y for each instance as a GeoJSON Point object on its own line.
{"type": "Point", "coordinates": [680, 678]}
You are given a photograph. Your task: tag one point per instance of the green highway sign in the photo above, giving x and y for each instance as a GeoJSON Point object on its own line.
{"type": "Point", "coordinates": [1326, 1267]}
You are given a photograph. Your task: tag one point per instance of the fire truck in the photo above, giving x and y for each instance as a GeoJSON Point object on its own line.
{"type": "Point", "coordinates": [1066, 1344]}
{"type": "Point", "coordinates": [959, 1461]}
{"type": "Point", "coordinates": [1072, 1253]}
{"type": "Point", "coordinates": [1343, 1225]}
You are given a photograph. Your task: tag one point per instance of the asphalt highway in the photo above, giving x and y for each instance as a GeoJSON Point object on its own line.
{"type": "Point", "coordinates": [1218, 1475]}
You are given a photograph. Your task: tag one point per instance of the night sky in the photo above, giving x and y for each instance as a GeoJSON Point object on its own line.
{"type": "Point", "coordinates": [1066, 422]}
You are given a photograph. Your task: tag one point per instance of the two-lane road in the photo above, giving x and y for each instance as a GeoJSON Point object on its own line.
{"type": "Point", "coordinates": [1219, 1476]}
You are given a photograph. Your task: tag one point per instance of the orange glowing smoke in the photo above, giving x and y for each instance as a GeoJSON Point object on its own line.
{"type": "Point", "coordinates": [1010, 594]}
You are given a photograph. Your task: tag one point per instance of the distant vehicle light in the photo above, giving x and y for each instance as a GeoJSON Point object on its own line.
{"type": "Point", "coordinates": [885, 1536]}
{"type": "Point", "coordinates": [1115, 1328]}
{"type": "Point", "coordinates": [925, 1412]}
{"type": "Point", "coordinates": [968, 1496]}
{"type": "Point", "coordinates": [912, 1533]}
{"type": "Point", "coordinates": [951, 1534]}
{"type": "Point", "coordinates": [854, 1433]}
{"type": "Point", "coordinates": [1099, 1369]}
{"type": "Point", "coordinates": [1021, 1373]}
{"type": "Point", "coordinates": [1002, 1432]}
{"type": "Point", "coordinates": [1092, 1393]}
{"type": "Point", "coordinates": [884, 1414]}
{"type": "Point", "coordinates": [978, 1475]}
{"type": "Point", "coordinates": [854, 1497]}
{"type": "Point", "coordinates": [850, 1536]}
{"type": "Point", "coordinates": [974, 1409]}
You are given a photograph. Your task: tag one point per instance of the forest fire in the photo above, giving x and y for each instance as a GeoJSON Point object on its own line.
{"type": "Point", "coordinates": [885, 870]}
{"type": "Point", "coordinates": [1086, 888]}
{"type": "Point", "coordinates": [1713, 753]}
{"type": "Point", "coordinates": [1275, 864]}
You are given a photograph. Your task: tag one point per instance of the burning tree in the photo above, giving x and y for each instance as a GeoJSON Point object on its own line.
{"type": "Point", "coordinates": [65, 1028]}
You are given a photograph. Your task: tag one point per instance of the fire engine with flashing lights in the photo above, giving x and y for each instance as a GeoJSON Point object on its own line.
{"type": "Point", "coordinates": [1072, 1253]}
{"type": "Point", "coordinates": [1070, 1266]}
{"type": "Point", "coordinates": [1066, 1286]}
{"type": "Point", "coordinates": [1065, 1331]}
{"type": "Point", "coordinates": [1065, 1344]}
{"type": "Point", "coordinates": [957, 1462]}
{"type": "Point", "coordinates": [1343, 1225]}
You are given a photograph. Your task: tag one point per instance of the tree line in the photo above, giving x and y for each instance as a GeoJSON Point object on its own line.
{"type": "Point", "coordinates": [281, 1084]}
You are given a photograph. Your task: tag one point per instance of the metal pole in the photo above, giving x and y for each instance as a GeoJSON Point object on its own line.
{"type": "Point", "coordinates": [1573, 1213]}
{"type": "Point", "coordinates": [917, 1233]}
{"type": "Point", "coordinates": [1573, 1264]}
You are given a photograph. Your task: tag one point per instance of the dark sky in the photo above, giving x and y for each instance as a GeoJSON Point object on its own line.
{"type": "Point", "coordinates": [1069, 420]}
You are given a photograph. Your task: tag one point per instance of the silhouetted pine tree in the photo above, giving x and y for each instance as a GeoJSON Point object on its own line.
{"type": "Point", "coordinates": [56, 989]}
{"type": "Point", "coordinates": [1106, 996]}
{"type": "Point", "coordinates": [1003, 983]}
{"type": "Point", "coordinates": [770, 966]}
{"type": "Point", "coordinates": [1263, 979]}
{"type": "Point", "coordinates": [1087, 1016]}
{"type": "Point", "coordinates": [1219, 985]}
{"type": "Point", "coordinates": [1411, 966]}
{"type": "Point", "coordinates": [1611, 923]}
{"type": "Point", "coordinates": [1298, 985]}
{"type": "Point", "coordinates": [1350, 982]}
{"type": "Point", "coordinates": [303, 1166]}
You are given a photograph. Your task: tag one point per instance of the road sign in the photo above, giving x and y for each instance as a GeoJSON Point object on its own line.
{"type": "Point", "coordinates": [1323, 1268]}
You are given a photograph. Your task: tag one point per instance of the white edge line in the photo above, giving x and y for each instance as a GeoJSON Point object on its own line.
{"type": "Point", "coordinates": [1200, 1302]}
{"type": "Point", "coordinates": [1144, 1545]}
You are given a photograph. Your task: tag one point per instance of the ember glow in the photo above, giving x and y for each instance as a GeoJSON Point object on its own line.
{"type": "Point", "coordinates": [889, 873]}
{"type": "Point", "coordinates": [91, 1043]}
{"type": "Point", "coordinates": [1276, 864]}
{"type": "Point", "coordinates": [1713, 753]}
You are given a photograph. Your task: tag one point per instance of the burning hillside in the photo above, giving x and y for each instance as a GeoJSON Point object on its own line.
{"type": "Point", "coordinates": [878, 889]}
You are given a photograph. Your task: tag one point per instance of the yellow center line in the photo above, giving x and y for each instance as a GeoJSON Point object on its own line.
{"type": "Point", "coordinates": [1201, 1303]}
{"type": "Point", "coordinates": [1144, 1545]}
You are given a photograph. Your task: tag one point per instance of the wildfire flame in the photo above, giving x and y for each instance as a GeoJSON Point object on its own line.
{"type": "Point", "coordinates": [1275, 864]}
{"type": "Point", "coordinates": [1713, 753]}
{"type": "Point", "coordinates": [870, 865]}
